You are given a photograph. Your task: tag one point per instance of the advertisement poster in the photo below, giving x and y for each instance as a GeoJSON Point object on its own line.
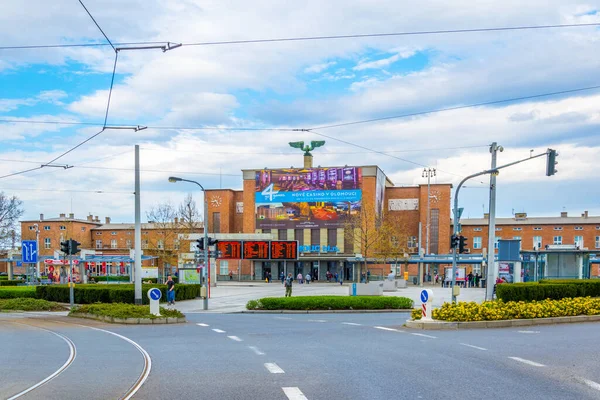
{"type": "Point", "coordinates": [307, 198]}
{"type": "Point", "coordinates": [379, 192]}
{"type": "Point", "coordinates": [189, 276]}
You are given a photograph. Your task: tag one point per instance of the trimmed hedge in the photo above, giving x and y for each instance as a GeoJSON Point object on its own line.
{"type": "Point", "coordinates": [125, 278]}
{"type": "Point", "coordinates": [121, 310]}
{"type": "Point", "coordinates": [17, 292]}
{"type": "Point", "coordinates": [547, 289]}
{"type": "Point", "coordinates": [28, 304]}
{"type": "Point", "coordinates": [330, 303]}
{"type": "Point", "coordinates": [88, 294]}
{"type": "Point", "coordinates": [14, 282]}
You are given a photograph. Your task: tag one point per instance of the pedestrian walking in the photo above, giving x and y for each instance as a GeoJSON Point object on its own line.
{"type": "Point", "coordinates": [336, 277]}
{"type": "Point", "coordinates": [328, 276]}
{"type": "Point", "coordinates": [282, 277]}
{"type": "Point", "coordinates": [170, 291]}
{"type": "Point", "coordinates": [368, 276]}
{"type": "Point", "coordinates": [230, 275]}
{"type": "Point", "coordinates": [299, 277]}
{"type": "Point", "coordinates": [308, 279]}
{"type": "Point", "coordinates": [288, 285]}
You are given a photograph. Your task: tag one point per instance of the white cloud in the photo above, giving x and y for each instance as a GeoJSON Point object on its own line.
{"type": "Point", "coordinates": [316, 68]}
{"type": "Point", "coordinates": [384, 62]}
{"type": "Point", "coordinates": [48, 96]}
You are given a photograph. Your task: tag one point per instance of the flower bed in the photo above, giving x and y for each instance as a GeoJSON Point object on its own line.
{"type": "Point", "coordinates": [499, 310]}
{"type": "Point", "coordinates": [123, 311]}
{"type": "Point", "coordinates": [331, 303]}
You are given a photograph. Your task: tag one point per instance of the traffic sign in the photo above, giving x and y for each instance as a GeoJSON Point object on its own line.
{"type": "Point", "coordinates": [29, 251]}
{"type": "Point", "coordinates": [154, 294]}
{"type": "Point", "coordinates": [424, 296]}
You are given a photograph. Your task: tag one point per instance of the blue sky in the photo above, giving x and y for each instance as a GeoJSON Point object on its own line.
{"type": "Point", "coordinates": [299, 85]}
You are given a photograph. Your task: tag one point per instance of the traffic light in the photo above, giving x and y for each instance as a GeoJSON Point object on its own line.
{"type": "Point", "coordinates": [454, 241]}
{"type": "Point", "coordinates": [73, 248]}
{"type": "Point", "coordinates": [462, 244]}
{"type": "Point", "coordinates": [64, 247]}
{"type": "Point", "coordinates": [551, 162]}
{"type": "Point", "coordinates": [212, 242]}
{"type": "Point", "coordinates": [200, 244]}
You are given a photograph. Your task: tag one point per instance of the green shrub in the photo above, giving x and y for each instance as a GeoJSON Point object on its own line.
{"type": "Point", "coordinates": [124, 293]}
{"type": "Point", "coordinates": [119, 278]}
{"type": "Point", "coordinates": [14, 282]}
{"type": "Point", "coordinates": [29, 304]}
{"type": "Point", "coordinates": [330, 303]}
{"type": "Point", "coordinates": [13, 292]}
{"type": "Point", "coordinates": [547, 289]}
{"type": "Point", "coordinates": [121, 310]}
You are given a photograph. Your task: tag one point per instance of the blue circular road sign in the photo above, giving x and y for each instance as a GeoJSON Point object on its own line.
{"type": "Point", "coordinates": [424, 296]}
{"type": "Point", "coordinates": [154, 294]}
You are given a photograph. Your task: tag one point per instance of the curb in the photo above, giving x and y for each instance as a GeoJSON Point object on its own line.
{"type": "Point", "coordinates": [131, 321]}
{"type": "Point", "coordinates": [321, 311]}
{"type": "Point", "coordinates": [440, 325]}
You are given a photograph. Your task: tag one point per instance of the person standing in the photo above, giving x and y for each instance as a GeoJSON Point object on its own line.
{"type": "Point", "coordinates": [170, 291]}
{"type": "Point", "coordinates": [368, 275]}
{"type": "Point", "coordinates": [230, 275]}
{"type": "Point", "coordinates": [299, 277]}
{"type": "Point", "coordinates": [282, 277]}
{"type": "Point", "coordinates": [308, 279]}
{"type": "Point", "coordinates": [288, 285]}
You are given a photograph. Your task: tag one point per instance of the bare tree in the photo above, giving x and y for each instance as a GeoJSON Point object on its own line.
{"type": "Point", "coordinates": [163, 240]}
{"type": "Point", "coordinates": [393, 246]}
{"type": "Point", "coordinates": [189, 216]}
{"type": "Point", "coordinates": [10, 211]}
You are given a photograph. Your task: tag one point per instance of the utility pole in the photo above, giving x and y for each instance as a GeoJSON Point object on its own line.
{"type": "Point", "coordinates": [137, 275]}
{"type": "Point", "coordinates": [71, 283]}
{"type": "Point", "coordinates": [428, 172]}
{"type": "Point", "coordinates": [491, 273]}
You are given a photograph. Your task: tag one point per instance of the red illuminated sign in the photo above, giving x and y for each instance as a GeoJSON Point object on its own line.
{"type": "Point", "coordinates": [256, 250]}
{"type": "Point", "coordinates": [229, 249]}
{"type": "Point", "coordinates": [284, 250]}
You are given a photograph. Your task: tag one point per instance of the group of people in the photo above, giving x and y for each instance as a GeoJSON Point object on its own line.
{"type": "Point", "coordinates": [470, 281]}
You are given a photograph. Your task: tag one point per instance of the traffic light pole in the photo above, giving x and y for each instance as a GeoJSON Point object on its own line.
{"type": "Point", "coordinates": [71, 283]}
{"type": "Point", "coordinates": [206, 249]}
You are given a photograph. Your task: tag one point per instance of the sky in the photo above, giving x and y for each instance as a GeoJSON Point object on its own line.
{"type": "Point", "coordinates": [297, 85]}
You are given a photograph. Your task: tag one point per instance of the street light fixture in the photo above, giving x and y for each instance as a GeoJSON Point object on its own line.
{"type": "Point", "coordinates": [174, 179]}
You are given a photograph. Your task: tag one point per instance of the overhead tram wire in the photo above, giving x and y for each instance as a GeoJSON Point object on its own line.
{"type": "Point", "coordinates": [98, 26]}
{"type": "Point", "coordinates": [300, 38]}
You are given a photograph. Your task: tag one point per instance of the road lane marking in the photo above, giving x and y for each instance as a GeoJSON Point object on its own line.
{"type": "Point", "coordinates": [383, 328]}
{"type": "Point", "coordinates": [528, 331]}
{"type": "Point", "coordinates": [70, 359]}
{"type": "Point", "coordinates": [424, 335]}
{"type": "Point", "coordinates": [351, 323]}
{"type": "Point", "coordinates": [199, 324]}
{"type": "Point", "coordinates": [592, 384]}
{"type": "Point", "coordinates": [282, 318]}
{"type": "Point", "coordinates": [256, 350]}
{"type": "Point", "coordinates": [293, 393]}
{"type": "Point", "coordinates": [317, 320]}
{"type": "Point", "coordinates": [218, 331]}
{"type": "Point", "coordinates": [274, 368]}
{"type": "Point", "coordinates": [474, 347]}
{"type": "Point", "coordinates": [528, 362]}
{"type": "Point", "coordinates": [237, 339]}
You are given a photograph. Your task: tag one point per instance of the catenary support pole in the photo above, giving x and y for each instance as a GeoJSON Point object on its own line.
{"type": "Point", "coordinates": [206, 249]}
{"type": "Point", "coordinates": [137, 275]}
{"type": "Point", "coordinates": [491, 259]}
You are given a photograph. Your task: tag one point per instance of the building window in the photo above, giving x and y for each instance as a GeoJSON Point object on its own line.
{"type": "Point", "coordinates": [145, 233]}
{"type": "Point", "coordinates": [47, 243]}
{"type": "Point", "coordinates": [348, 244]}
{"type": "Point", "coordinates": [113, 244]}
{"type": "Point", "coordinates": [216, 222]}
{"type": "Point", "coordinates": [496, 239]}
{"type": "Point", "coordinates": [63, 228]}
{"type": "Point", "coordinates": [331, 237]}
{"type": "Point", "coordinates": [223, 267]}
{"type": "Point", "coordinates": [128, 243]}
{"type": "Point", "coordinates": [98, 233]}
{"type": "Point", "coordinates": [83, 229]}
{"type": "Point", "coordinates": [558, 228]}
{"type": "Point", "coordinates": [315, 237]}
{"type": "Point", "coordinates": [98, 244]}
{"type": "Point", "coordinates": [477, 229]}
{"type": "Point", "coordinates": [537, 242]}
{"type": "Point", "coordinates": [516, 237]}
{"type": "Point", "coordinates": [145, 244]}
{"type": "Point", "coordinates": [412, 242]}
{"type": "Point", "coordinates": [498, 229]}
{"type": "Point", "coordinates": [46, 227]}
{"type": "Point", "coordinates": [477, 242]}
{"type": "Point", "coordinates": [266, 231]}
{"type": "Point", "coordinates": [282, 234]}
{"type": "Point", "coordinates": [537, 228]}
{"type": "Point", "coordinates": [557, 240]}
{"type": "Point", "coordinates": [31, 227]}
{"type": "Point", "coordinates": [434, 231]}
{"type": "Point", "coordinates": [579, 241]}
{"type": "Point", "coordinates": [579, 228]}
{"type": "Point", "coordinates": [113, 233]}
{"type": "Point", "coordinates": [517, 229]}
{"type": "Point", "coordinates": [598, 242]}
{"type": "Point", "coordinates": [129, 233]}
{"type": "Point", "coordinates": [299, 236]}
{"type": "Point", "coordinates": [160, 244]}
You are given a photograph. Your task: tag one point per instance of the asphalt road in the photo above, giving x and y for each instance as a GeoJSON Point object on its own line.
{"type": "Point", "coordinates": [318, 356]}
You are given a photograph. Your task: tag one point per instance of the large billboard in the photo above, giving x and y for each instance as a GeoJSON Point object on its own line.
{"type": "Point", "coordinates": [307, 198]}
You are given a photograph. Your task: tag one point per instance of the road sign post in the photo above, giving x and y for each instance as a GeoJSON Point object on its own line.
{"type": "Point", "coordinates": [29, 251]}
{"type": "Point", "coordinates": [426, 304]}
{"type": "Point", "coordinates": [154, 295]}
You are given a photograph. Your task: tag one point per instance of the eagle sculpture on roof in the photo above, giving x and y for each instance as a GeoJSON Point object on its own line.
{"type": "Point", "coordinates": [307, 149]}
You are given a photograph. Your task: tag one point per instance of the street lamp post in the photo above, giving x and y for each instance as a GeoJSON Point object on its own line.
{"type": "Point", "coordinates": [174, 179]}
{"type": "Point", "coordinates": [428, 172]}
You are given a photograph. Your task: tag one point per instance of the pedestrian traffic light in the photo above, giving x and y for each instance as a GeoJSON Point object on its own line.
{"type": "Point", "coordinates": [73, 248]}
{"type": "Point", "coordinates": [200, 244]}
{"type": "Point", "coordinates": [454, 241]}
{"type": "Point", "coordinates": [212, 242]}
{"type": "Point", "coordinates": [462, 244]}
{"type": "Point", "coordinates": [64, 247]}
{"type": "Point", "coordinates": [551, 162]}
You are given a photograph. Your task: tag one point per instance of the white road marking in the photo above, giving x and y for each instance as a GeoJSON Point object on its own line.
{"type": "Point", "coordinates": [317, 320]}
{"type": "Point", "coordinates": [293, 393]}
{"type": "Point", "coordinates": [281, 317]}
{"type": "Point", "coordinates": [351, 323]}
{"type": "Point", "coordinates": [528, 331]}
{"type": "Point", "coordinates": [274, 368]}
{"type": "Point", "coordinates": [70, 359]}
{"type": "Point", "coordinates": [474, 347]}
{"type": "Point", "coordinates": [424, 335]}
{"type": "Point", "coordinates": [237, 339]}
{"type": "Point", "coordinates": [592, 384]}
{"type": "Point", "coordinates": [383, 328]}
{"type": "Point", "coordinates": [528, 362]}
{"type": "Point", "coordinates": [218, 331]}
{"type": "Point", "coordinates": [256, 350]}
{"type": "Point", "coordinates": [202, 324]}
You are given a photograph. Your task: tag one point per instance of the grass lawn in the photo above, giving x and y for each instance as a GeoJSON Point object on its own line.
{"type": "Point", "coordinates": [123, 310]}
